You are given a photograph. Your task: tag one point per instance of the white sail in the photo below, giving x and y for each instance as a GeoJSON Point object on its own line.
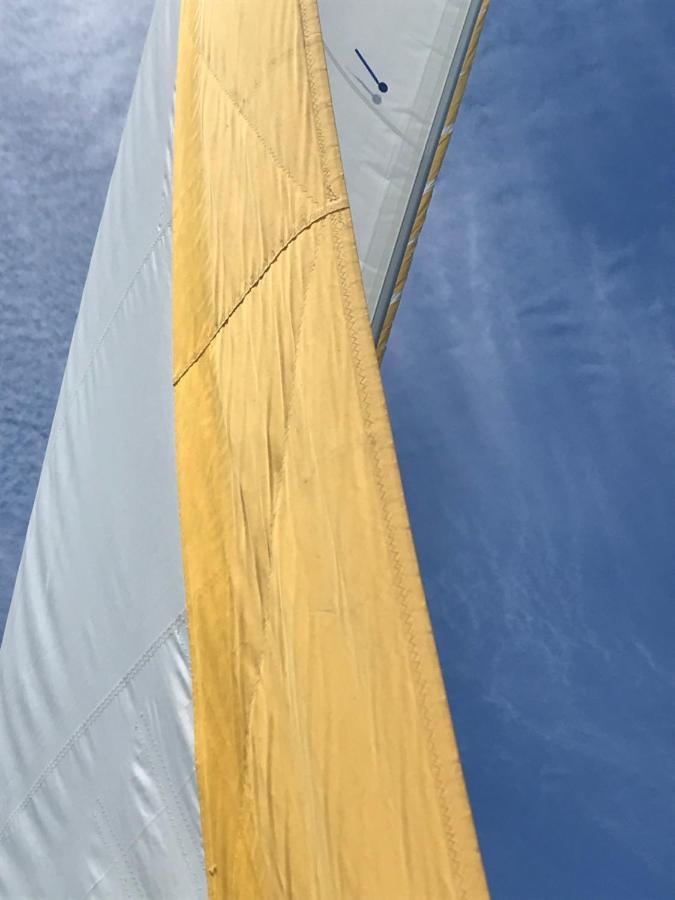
{"type": "Point", "coordinates": [388, 137]}
{"type": "Point", "coordinates": [97, 782]}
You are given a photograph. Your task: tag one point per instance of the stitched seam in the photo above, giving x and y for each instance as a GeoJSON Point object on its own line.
{"type": "Point", "coordinates": [313, 96]}
{"type": "Point", "coordinates": [107, 872]}
{"type": "Point", "coordinates": [114, 864]}
{"type": "Point", "coordinates": [148, 256]}
{"type": "Point", "coordinates": [201, 56]}
{"type": "Point", "coordinates": [120, 850]}
{"type": "Point", "coordinates": [420, 681]}
{"type": "Point", "coordinates": [97, 711]}
{"type": "Point", "coordinates": [63, 415]}
{"type": "Point", "coordinates": [399, 580]}
{"type": "Point", "coordinates": [246, 787]}
{"type": "Point", "coordinates": [256, 281]}
{"type": "Point", "coordinates": [155, 751]}
{"type": "Point", "coordinates": [185, 649]}
{"type": "Point", "coordinates": [150, 744]}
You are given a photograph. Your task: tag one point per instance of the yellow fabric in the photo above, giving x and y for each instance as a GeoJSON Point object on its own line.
{"type": "Point", "coordinates": [434, 172]}
{"type": "Point", "coordinates": [326, 762]}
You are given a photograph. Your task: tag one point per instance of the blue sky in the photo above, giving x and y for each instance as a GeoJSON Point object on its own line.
{"type": "Point", "coordinates": [531, 383]}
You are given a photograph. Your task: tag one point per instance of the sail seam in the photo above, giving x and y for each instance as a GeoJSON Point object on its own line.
{"type": "Point", "coordinates": [404, 606]}
{"type": "Point", "coordinates": [94, 353]}
{"type": "Point", "coordinates": [148, 654]}
{"type": "Point", "coordinates": [267, 266]}
{"type": "Point", "coordinates": [166, 787]}
{"type": "Point", "coordinates": [274, 156]}
{"type": "Point", "coordinates": [399, 580]}
{"type": "Point", "coordinates": [119, 860]}
{"type": "Point", "coordinates": [118, 849]}
{"type": "Point", "coordinates": [113, 865]}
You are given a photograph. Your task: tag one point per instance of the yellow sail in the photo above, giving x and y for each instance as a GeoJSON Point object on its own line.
{"type": "Point", "coordinates": [325, 756]}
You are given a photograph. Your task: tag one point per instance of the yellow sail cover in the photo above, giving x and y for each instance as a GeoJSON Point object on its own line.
{"type": "Point", "coordinates": [326, 761]}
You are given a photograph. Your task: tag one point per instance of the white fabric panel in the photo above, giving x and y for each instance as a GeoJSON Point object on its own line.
{"type": "Point", "coordinates": [386, 139]}
{"type": "Point", "coordinates": [138, 205]}
{"type": "Point", "coordinates": [98, 794]}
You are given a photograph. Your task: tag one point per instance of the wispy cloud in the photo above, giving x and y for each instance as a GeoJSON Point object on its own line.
{"type": "Point", "coordinates": [531, 381]}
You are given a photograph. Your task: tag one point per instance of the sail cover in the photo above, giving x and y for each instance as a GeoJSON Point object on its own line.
{"type": "Point", "coordinates": [218, 675]}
